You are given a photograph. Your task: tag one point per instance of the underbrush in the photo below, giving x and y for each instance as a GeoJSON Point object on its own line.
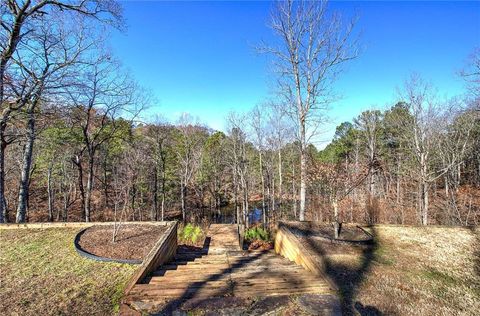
{"type": "Point", "coordinates": [256, 233]}
{"type": "Point", "coordinates": [191, 234]}
{"type": "Point", "coordinates": [257, 238]}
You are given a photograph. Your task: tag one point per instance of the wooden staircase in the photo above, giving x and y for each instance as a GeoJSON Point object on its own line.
{"type": "Point", "coordinates": [222, 270]}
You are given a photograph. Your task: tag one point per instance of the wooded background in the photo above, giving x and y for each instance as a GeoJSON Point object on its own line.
{"type": "Point", "coordinates": [74, 146]}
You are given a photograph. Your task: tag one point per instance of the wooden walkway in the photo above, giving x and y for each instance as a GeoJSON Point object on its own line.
{"type": "Point", "coordinates": [223, 270]}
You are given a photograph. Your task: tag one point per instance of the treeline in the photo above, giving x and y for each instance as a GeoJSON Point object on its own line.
{"type": "Point", "coordinates": [415, 163]}
{"type": "Point", "coordinates": [73, 146]}
{"type": "Point", "coordinates": [371, 172]}
{"type": "Point", "coordinates": [155, 171]}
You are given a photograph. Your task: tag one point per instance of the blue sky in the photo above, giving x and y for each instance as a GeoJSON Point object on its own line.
{"type": "Point", "coordinates": [198, 57]}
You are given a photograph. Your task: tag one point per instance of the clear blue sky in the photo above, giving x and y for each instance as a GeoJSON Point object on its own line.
{"type": "Point", "coordinates": [198, 57]}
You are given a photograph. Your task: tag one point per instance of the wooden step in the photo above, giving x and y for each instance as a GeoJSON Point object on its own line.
{"type": "Point", "coordinates": [177, 278]}
{"type": "Point", "coordinates": [159, 294]}
{"type": "Point", "coordinates": [189, 273]}
{"type": "Point", "coordinates": [251, 292]}
{"type": "Point", "coordinates": [194, 267]}
{"type": "Point", "coordinates": [224, 270]}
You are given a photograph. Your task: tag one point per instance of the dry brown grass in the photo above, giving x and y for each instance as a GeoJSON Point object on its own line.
{"type": "Point", "coordinates": [41, 274]}
{"type": "Point", "coordinates": [414, 271]}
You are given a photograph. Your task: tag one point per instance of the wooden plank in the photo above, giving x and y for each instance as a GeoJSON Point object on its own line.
{"type": "Point", "coordinates": [163, 250]}
{"type": "Point", "coordinates": [188, 278]}
{"type": "Point", "coordinates": [277, 292]}
{"type": "Point", "coordinates": [137, 294]}
{"type": "Point", "coordinates": [71, 224]}
{"type": "Point", "coordinates": [189, 273]}
{"type": "Point", "coordinates": [194, 267]}
{"type": "Point", "coordinates": [182, 285]}
{"type": "Point", "coordinates": [289, 246]}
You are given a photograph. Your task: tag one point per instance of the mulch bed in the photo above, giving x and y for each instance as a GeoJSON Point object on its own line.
{"type": "Point", "coordinates": [349, 232]}
{"type": "Point", "coordinates": [132, 242]}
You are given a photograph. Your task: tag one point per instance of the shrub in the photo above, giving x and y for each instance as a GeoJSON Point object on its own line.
{"type": "Point", "coordinates": [256, 233]}
{"type": "Point", "coordinates": [191, 233]}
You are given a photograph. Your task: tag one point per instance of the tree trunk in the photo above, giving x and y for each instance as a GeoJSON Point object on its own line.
{"type": "Point", "coordinates": [336, 225]}
{"type": "Point", "coordinates": [424, 202]}
{"type": "Point", "coordinates": [294, 194]}
{"type": "Point", "coordinates": [134, 195]}
{"type": "Point", "coordinates": [423, 189]}
{"type": "Point", "coordinates": [26, 166]}
{"type": "Point", "coordinates": [280, 181]}
{"type": "Point", "coordinates": [303, 182]}
{"type": "Point", "coordinates": [182, 196]}
{"type": "Point", "coordinates": [88, 192]}
{"type": "Point", "coordinates": [3, 204]}
{"type": "Point", "coordinates": [272, 200]}
{"type": "Point", "coordinates": [163, 187]}
{"type": "Point", "coordinates": [264, 214]}
{"type": "Point", "coordinates": [50, 194]}
{"type": "Point", "coordinates": [66, 203]}
{"type": "Point", "coordinates": [78, 163]}
{"type": "Point", "coordinates": [105, 182]}
{"type": "Point", "coordinates": [154, 213]}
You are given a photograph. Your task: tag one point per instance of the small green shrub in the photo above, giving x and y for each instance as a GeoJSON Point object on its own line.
{"type": "Point", "coordinates": [191, 233]}
{"type": "Point", "coordinates": [256, 233]}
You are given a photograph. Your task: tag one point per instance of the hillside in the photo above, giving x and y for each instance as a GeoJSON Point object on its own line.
{"type": "Point", "coordinates": [412, 270]}
{"type": "Point", "coordinates": [41, 274]}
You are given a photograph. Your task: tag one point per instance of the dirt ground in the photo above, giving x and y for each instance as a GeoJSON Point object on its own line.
{"type": "Point", "coordinates": [132, 242]}
{"type": "Point", "coordinates": [407, 271]}
{"type": "Point", "coordinates": [41, 274]}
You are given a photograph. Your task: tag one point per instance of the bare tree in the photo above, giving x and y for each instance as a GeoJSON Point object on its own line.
{"type": "Point", "coordinates": [19, 20]}
{"type": "Point", "coordinates": [423, 132]}
{"type": "Point", "coordinates": [313, 46]}
{"type": "Point", "coordinates": [369, 123]}
{"type": "Point", "coordinates": [239, 164]}
{"type": "Point", "coordinates": [188, 151]}
{"type": "Point", "coordinates": [44, 65]}
{"type": "Point", "coordinates": [159, 136]}
{"type": "Point", "coordinates": [471, 73]}
{"type": "Point", "coordinates": [103, 93]}
{"type": "Point", "coordinates": [258, 131]}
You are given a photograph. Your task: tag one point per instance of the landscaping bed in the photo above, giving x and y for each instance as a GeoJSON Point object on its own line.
{"type": "Point", "coordinates": [348, 233]}
{"type": "Point", "coordinates": [133, 241]}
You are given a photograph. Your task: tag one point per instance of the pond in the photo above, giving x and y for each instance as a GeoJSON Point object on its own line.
{"type": "Point", "coordinates": [226, 214]}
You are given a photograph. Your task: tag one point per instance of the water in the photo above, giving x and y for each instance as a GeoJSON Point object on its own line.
{"type": "Point", "coordinates": [226, 215]}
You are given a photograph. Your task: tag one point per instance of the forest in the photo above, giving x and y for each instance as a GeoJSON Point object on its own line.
{"type": "Point", "coordinates": [75, 145]}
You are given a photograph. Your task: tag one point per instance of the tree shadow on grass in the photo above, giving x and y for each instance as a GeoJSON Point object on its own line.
{"type": "Point", "coordinates": [346, 277]}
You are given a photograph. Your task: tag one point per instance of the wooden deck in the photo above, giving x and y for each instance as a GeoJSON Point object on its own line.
{"type": "Point", "coordinates": [222, 270]}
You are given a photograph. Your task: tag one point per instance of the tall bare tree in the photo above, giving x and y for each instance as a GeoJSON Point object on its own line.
{"type": "Point", "coordinates": [19, 21]}
{"type": "Point", "coordinates": [313, 44]}
{"type": "Point", "coordinates": [103, 93]}
{"type": "Point", "coordinates": [258, 127]}
{"type": "Point", "coordinates": [423, 132]}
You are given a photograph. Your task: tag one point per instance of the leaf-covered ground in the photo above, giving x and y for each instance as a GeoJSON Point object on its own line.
{"type": "Point", "coordinates": [41, 274]}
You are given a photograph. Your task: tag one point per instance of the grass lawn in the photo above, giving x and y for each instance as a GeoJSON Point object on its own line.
{"type": "Point", "coordinates": [41, 274]}
{"type": "Point", "coordinates": [411, 271]}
